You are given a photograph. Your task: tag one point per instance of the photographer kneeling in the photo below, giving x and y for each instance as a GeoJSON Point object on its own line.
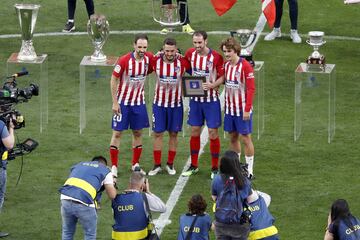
{"type": "Point", "coordinates": [132, 209]}
{"type": "Point", "coordinates": [7, 143]}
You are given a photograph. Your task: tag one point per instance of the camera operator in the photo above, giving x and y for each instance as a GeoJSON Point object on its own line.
{"type": "Point", "coordinates": [7, 143]}
{"type": "Point", "coordinates": [78, 195]}
{"type": "Point", "coordinates": [130, 211]}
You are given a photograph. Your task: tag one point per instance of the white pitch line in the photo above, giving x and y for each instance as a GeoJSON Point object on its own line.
{"type": "Point", "coordinates": [125, 32]}
{"type": "Point", "coordinates": [163, 219]}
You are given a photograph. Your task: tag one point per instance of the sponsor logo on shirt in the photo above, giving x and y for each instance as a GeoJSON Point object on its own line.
{"type": "Point", "coordinates": [198, 72]}
{"type": "Point", "coordinates": [137, 78]}
{"type": "Point", "coordinates": [170, 80]}
{"type": "Point", "coordinates": [232, 84]}
{"type": "Point", "coordinates": [250, 75]}
{"type": "Point", "coordinates": [117, 68]}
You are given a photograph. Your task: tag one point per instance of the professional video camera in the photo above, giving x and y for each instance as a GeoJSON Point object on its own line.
{"type": "Point", "coordinates": [10, 95]}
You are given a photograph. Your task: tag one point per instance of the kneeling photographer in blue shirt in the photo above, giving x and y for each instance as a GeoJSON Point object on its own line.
{"type": "Point", "coordinates": [132, 209]}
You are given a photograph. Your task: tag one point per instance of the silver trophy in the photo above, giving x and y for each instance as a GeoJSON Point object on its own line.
{"type": "Point", "coordinates": [27, 14]}
{"type": "Point", "coordinates": [168, 15]}
{"type": "Point", "coordinates": [246, 37]}
{"type": "Point", "coordinates": [98, 30]}
{"type": "Point", "coordinates": [316, 40]}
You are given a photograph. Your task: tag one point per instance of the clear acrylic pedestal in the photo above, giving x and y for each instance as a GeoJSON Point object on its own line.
{"type": "Point", "coordinates": [258, 105]}
{"type": "Point", "coordinates": [95, 95]}
{"type": "Point", "coordinates": [315, 100]}
{"type": "Point", "coordinates": [38, 74]}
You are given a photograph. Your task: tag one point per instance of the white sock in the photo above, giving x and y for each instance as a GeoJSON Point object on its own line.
{"type": "Point", "coordinates": [71, 20]}
{"type": "Point", "coordinates": [250, 162]}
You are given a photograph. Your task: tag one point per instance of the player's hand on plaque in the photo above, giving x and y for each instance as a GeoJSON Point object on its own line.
{"type": "Point", "coordinates": [207, 86]}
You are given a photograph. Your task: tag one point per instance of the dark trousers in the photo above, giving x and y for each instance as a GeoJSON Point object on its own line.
{"type": "Point", "coordinates": [293, 12]}
{"type": "Point", "coordinates": [182, 10]}
{"type": "Point", "coordinates": [72, 6]}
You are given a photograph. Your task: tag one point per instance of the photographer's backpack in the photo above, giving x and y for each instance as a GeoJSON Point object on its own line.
{"type": "Point", "coordinates": [229, 205]}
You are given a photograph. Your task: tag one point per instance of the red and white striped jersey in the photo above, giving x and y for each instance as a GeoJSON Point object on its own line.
{"type": "Point", "coordinates": [132, 74]}
{"type": "Point", "coordinates": [239, 87]}
{"type": "Point", "coordinates": [168, 91]}
{"type": "Point", "coordinates": [210, 66]}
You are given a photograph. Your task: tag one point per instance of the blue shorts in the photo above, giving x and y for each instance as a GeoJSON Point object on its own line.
{"type": "Point", "coordinates": [237, 124]}
{"type": "Point", "coordinates": [208, 111]}
{"type": "Point", "coordinates": [167, 119]}
{"type": "Point", "coordinates": [135, 116]}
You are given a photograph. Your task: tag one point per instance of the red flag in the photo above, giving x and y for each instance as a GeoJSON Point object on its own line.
{"type": "Point", "coordinates": [222, 6]}
{"type": "Point", "coordinates": [269, 10]}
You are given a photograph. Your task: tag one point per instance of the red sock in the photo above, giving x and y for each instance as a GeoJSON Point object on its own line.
{"type": "Point", "coordinates": [114, 156]}
{"type": "Point", "coordinates": [136, 155]}
{"type": "Point", "coordinates": [214, 150]}
{"type": "Point", "coordinates": [194, 150]}
{"type": "Point", "coordinates": [157, 157]}
{"type": "Point", "coordinates": [171, 157]}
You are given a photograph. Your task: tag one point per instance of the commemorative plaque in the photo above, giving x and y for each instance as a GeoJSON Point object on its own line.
{"type": "Point", "coordinates": [193, 86]}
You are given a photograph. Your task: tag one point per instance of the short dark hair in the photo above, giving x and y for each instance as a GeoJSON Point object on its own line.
{"type": "Point", "coordinates": [200, 33]}
{"type": "Point", "coordinates": [100, 159]}
{"type": "Point", "coordinates": [231, 43]}
{"type": "Point", "coordinates": [170, 41]}
{"type": "Point", "coordinates": [197, 204]}
{"type": "Point", "coordinates": [140, 36]}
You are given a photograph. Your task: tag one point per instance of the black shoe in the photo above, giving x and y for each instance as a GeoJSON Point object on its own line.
{"type": "Point", "coordinates": [3, 234]}
{"type": "Point", "coordinates": [69, 27]}
{"type": "Point", "coordinates": [191, 171]}
{"type": "Point", "coordinates": [214, 171]}
{"type": "Point", "coordinates": [251, 177]}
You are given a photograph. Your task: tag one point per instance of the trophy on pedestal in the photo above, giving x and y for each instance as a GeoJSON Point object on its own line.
{"type": "Point", "coordinates": [98, 30]}
{"type": "Point", "coordinates": [246, 37]}
{"type": "Point", "coordinates": [168, 15]}
{"type": "Point", "coordinates": [316, 60]}
{"type": "Point", "coordinates": [27, 14]}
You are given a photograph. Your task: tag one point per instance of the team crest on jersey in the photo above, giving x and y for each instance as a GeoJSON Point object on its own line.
{"type": "Point", "coordinates": [146, 67]}
{"type": "Point", "coordinates": [237, 74]}
{"type": "Point", "coordinates": [117, 68]}
{"type": "Point", "coordinates": [177, 69]}
{"type": "Point", "coordinates": [209, 64]}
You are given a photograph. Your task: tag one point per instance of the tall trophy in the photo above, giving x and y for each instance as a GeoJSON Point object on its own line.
{"type": "Point", "coordinates": [246, 38]}
{"type": "Point", "coordinates": [316, 60]}
{"type": "Point", "coordinates": [98, 30]}
{"type": "Point", "coordinates": [27, 14]}
{"type": "Point", "coordinates": [168, 15]}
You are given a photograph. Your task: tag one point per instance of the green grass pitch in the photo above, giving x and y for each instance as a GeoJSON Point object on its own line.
{"type": "Point", "coordinates": [303, 178]}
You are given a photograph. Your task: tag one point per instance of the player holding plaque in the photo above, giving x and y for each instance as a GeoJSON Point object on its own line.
{"type": "Point", "coordinates": [127, 90]}
{"type": "Point", "coordinates": [239, 94]}
{"type": "Point", "coordinates": [208, 63]}
{"type": "Point", "coordinates": [168, 105]}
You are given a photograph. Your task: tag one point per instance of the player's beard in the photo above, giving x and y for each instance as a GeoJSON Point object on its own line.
{"type": "Point", "coordinates": [170, 58]}
{"type": "Point", "coordinates": [140, 54]}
